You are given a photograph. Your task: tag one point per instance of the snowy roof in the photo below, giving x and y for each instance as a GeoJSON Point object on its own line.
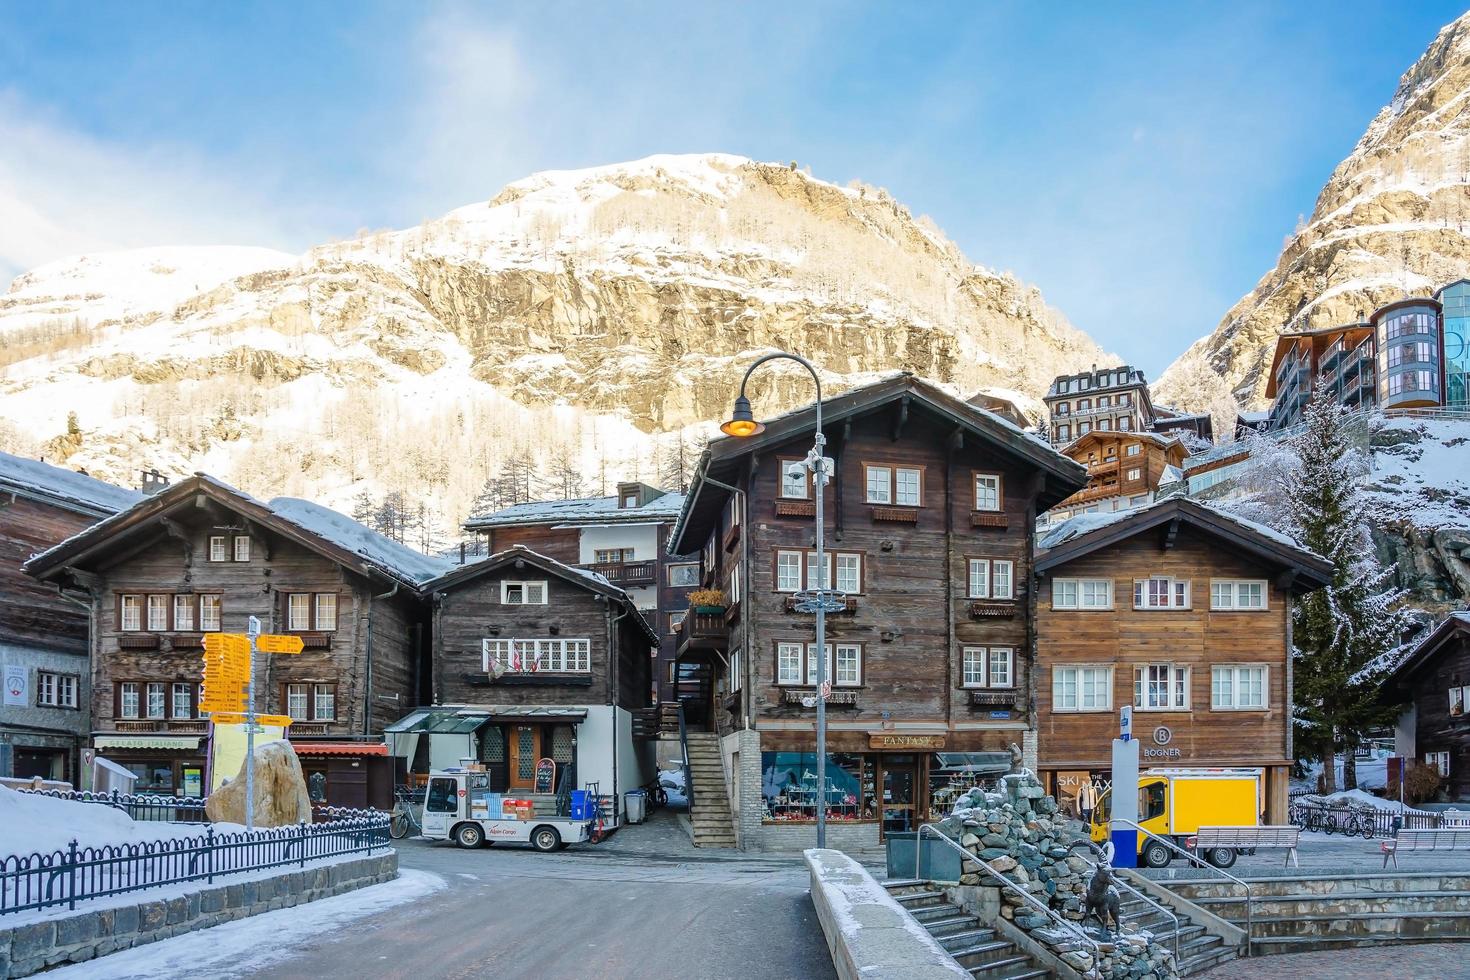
{"type": "Point", "coordinates": [1214, 454]}
{"type": "Point", "coordinates": [396, 559]}
{"type": "Point", "coordinates": [1412, 655]}
{"type": "Point", "coordinates": [64, 488]}
{"type": "Point", "coordinates": [1260, 416]}
{"type": "Point", "coordinates": [586, 510]}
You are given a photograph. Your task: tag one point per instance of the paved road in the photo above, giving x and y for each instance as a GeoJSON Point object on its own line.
{"type": "Point", "coordinates": [1440, 961]}
{"type": "Point", "coordinates": [644, 905]}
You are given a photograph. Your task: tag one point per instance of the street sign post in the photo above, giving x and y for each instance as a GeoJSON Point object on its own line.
{"type": "Point", "coordinates": [1125, 722]}
{"type": "Point", "coordinates": [229, 689]}
{"type": "Point", "coordinates": [276, 643]}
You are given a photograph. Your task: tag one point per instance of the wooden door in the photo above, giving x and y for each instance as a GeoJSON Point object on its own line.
{"type": "Point", "coordinates": [524, 749]}
{"type": "Point", "coordinates": [900, 793]}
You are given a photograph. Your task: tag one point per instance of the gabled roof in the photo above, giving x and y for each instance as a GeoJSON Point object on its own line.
{"type": "Point", "coordinates": [63, 488]}
{"type": "Point", "coordinates": [1118, 435]}
{"type": "Point", "coordinates": [720, 461]}
{"type": "Point", "coordinates": [520, 555]}
{"type": "Point", "coordinates": [1455, 624]}
{"type": "Point", "coordinates": [316, 528]}
{"type": "Point", "coordinates": [1086, 533]}
{"type": "Point", "coordinates": [581, 510]}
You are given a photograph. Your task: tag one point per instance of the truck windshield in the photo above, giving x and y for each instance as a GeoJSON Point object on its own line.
{"type": "Point", "coordinates": [442, 798]}
{"type": "Point", "coordinates": [1104, 805]}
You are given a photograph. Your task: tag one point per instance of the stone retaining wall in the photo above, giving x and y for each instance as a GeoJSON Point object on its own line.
{"type": "Point", "coordinates": [75, 937]}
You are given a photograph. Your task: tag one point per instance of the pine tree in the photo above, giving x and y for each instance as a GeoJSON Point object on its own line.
{"type": "Point", "coordinates": [1344, 633]}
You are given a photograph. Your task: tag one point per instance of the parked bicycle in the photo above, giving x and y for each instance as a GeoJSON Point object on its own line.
{"type": "Point", "coordinates": [657, 795]}
{"type": "Point", "coordinates": [405, 816]}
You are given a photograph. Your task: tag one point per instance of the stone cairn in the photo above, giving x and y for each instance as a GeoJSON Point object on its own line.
{"type": "Point", "coordinates": [1019, 832]}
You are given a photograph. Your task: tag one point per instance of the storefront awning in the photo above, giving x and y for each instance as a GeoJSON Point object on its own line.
{"type": "Point", "coordinates": [146, 741]}
{"type": "Point", "coordinates": [339, 748]}
{"type": "Point", "coordinates": [462, 721]}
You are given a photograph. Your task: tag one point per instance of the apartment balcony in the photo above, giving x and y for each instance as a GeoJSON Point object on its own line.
{"type": "Point", "coordinates": [627, 574]}
{"type": "Point", "coordinates": [702, 631]}
{"type": "Point", "coordinates": [1104, 466]}
{"type": "Point", "coordinates": [838, 697]}
{"type": "Point", "coordinates": [1091, 493]}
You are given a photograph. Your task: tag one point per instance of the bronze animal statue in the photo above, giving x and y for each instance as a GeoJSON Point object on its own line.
{"type": "Point", "coordinates": [1101, 900]}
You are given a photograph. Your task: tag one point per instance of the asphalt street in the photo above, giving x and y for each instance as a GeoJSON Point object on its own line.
{"type": "Point", "coordinates": [645, 904]}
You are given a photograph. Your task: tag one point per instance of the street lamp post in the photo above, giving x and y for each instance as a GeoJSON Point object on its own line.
{"type": "Point", "coordinates": [822, 599]}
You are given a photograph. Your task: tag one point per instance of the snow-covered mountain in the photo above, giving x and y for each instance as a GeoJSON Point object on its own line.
{"type": "Point", "coordinates": [1393, 219]}
{"type": "Point", "coordinates": [582, 317]}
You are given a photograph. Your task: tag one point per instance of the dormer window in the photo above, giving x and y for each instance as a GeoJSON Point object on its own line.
{"type": "Point", "coordinates": [523, 593]}
{"type": "Point", "coordinates": [630, 500]}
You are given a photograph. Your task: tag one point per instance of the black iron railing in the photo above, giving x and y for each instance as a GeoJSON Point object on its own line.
{"type": "Point", "coordinates": [139, 806]}
{"type": "Point", "coordinates": [684, 748]}
{"type": "Point", "coordinates": [1359, 821]}
{"type": "Point", "coordinates": [79, 873]}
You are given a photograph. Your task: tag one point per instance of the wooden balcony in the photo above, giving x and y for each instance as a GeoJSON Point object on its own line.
{"type": "Point", "coordinates": [703, 631]}
{"type": "Point", "coordinates": [136, 726]}
{"type": "Point", "coordinates": [838, 697]}
{"type": "Point", "coordinates": [1102, 492]}
{"type": "Point", "coordinates": [627, 574]}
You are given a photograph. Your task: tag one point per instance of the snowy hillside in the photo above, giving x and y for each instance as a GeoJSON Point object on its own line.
{"type": "Point", "coordinates": [583, 318]}
{"type": "Point", "coordinates": [1393, 219]}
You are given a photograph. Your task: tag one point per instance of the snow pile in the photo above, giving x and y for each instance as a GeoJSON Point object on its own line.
{"type": "Point", "coordinates": [66, 488]}
{"type": "Point", "coordinates": [42, 824]}
{"type": "Point", "coordinates": [1357, 799]}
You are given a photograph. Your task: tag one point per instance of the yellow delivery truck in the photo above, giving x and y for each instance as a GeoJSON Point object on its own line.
{"type": "Point", "coordinates": [1175, 803]}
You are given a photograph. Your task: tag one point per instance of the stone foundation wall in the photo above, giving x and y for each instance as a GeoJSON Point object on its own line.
{"type": "Point", "coordinates": [36, 946]}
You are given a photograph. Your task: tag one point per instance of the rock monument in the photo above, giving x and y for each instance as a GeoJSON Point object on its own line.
{"type": "Point", "coordinates": [280, 790]}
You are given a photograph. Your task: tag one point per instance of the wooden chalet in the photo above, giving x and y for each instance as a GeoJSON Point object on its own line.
{"type": "Point", "coordinates": [535, 659]}
{"type": "Point", "coordinates": [930, 531]}
{"type": "Point", "coordinates": [1182, 611]}
{"type": "Point", "coordinates": [44, 710]}
{"type": "Point", "coordinates": [200, 556]}
{"type": "Point", "coordinates": [1435, 680]}
{"type": "Point", "coordinates": [1124, 469]}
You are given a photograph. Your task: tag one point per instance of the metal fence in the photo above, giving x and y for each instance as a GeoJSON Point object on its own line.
{"type": "Point", "coordinates": [139, 806]}
{"type": "Point", "coordinates": [1359, 822]}
{"type": "Point", "coordinates": [78, 873]}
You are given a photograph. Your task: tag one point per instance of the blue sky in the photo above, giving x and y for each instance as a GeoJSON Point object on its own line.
{"type": "Point", "coordinates": [1142, 164]}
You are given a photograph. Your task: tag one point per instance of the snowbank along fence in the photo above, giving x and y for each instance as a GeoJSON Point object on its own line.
{"type": "Point", "coordinates": [170, 809]}
{"type": "Point", "coordinates": [79, 873]}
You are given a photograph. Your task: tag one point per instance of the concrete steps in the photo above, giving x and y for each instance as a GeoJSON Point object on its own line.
{"type": "Point", "coordinates": [976, 947]}
{"type": "Point", "coordinates": [1199, 949]}
{"type": "Point", "coordinates": [709, 817]}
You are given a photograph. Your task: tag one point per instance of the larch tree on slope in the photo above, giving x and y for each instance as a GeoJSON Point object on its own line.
{"type": "Point", "coordinates": [1342, 634]}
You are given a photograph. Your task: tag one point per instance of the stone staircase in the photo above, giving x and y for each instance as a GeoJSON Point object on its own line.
{"type": "Point", "coordinates": [1199, 950]}
{"type": "Point", "coordinates": [709, 816]}
{"type": "Point", "coordinates": [981, 950]}
{"type": "Point", "coordinates": [1302, 913]}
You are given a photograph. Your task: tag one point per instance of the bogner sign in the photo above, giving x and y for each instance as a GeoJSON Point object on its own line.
{"type": "Point", "coordinates": [1162, 737]}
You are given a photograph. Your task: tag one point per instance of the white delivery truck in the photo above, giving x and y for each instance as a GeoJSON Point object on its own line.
{"type": "Point", "coordinates": [459, 806]}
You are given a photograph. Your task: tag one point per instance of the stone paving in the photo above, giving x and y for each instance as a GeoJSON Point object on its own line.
{"type": "Point", "coordinates": [1420, 961]}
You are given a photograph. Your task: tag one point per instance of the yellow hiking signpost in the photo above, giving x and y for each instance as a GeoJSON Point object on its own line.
{"type": "Point", "coordinates": [228, 694]}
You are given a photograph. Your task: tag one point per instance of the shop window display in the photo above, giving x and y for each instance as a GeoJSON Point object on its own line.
{"type": "Point", "coordinates": [953, 774]}
{"type": "Point", "coordinates": [789, 786]}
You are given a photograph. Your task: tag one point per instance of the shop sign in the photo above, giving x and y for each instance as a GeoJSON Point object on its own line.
{"type": "Point", "coordinates": [889, 740]}
{"type": "Point", "coordinates": [15, 684]}
{"type": "Point", "coordinates": [1163, 735]}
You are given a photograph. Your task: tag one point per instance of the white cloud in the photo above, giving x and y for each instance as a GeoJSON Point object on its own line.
{"type": "Point", "coordinates": [63, 192]}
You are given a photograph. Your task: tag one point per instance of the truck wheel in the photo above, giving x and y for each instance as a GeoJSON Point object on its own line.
{"type": "Point", "coordinates": [1156, 855]}
{"type": "Point", "coordinates": [469, 835]}
{"type": "Point", "coordinates": [1222, 857]}
{"type": "Point", "coordinates": [545, 839]}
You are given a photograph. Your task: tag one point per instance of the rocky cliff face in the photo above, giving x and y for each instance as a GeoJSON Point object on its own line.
{"type": "Point", "coordinates": [582, 315]}
{"type": "Point", "coordinates": [1394, 219]}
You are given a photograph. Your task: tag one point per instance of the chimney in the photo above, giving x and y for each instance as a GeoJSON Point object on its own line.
{"type": "Point", "coordinates": [153, 481]}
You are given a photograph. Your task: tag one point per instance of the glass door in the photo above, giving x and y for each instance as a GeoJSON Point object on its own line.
{"type": "Point", "coordinates": [898, 777]}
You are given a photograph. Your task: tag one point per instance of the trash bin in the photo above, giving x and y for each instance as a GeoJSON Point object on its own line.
{"type": "Point", "coordinates": [635, 801]}
{"type": "Point", "coordinates": [937, 861]}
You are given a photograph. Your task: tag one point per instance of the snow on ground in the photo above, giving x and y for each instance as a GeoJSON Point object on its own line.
{"type": "Point", "coordinates": [1424, 476]}
{"type": "Point", "coordinates": [41, 824]}
{"type": "Point", "coordinates": [247, 946]}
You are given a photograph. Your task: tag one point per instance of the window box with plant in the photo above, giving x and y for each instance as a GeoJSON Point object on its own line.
{"type": "Point", "coordinates": [708, 601]}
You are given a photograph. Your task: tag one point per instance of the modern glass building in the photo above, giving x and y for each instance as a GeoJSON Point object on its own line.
{"type": "Point", "coordinates": [1455, 331]}
{"type": "Point", "coordinates": [1409, 361]}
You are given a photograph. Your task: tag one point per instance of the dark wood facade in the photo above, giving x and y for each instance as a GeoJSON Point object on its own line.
{"type": "Point", "coordinates": [198, 557]}
{"type": "Point", "coordinates": [1190, 665]}
{"type": "Point", "coordinates": [1435, 680]}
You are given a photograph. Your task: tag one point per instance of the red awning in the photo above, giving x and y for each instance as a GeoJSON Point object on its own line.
{"type": "Point", "coordinates": [339, 748]}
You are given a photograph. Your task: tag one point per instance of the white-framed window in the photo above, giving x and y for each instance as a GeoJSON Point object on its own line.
{"type": "Point", "coordinates": [906, 487]}
{"type": "Point", "coordinates": [219, 547]}
{"type": "Point", "coordinates": [796, 479]}
{"type": "Point", "coordinates": [184, 612]}
{"type": "Point", "coordinates": [988, 667]}
{"type": "Point", "coordinates": [737, 677]}
{"type": "Point", "coordinates": [987, 489]}
{"type": "Point", "coordinates": [127, 700]}
{"type": "Point", "coordinates": [900, 485]}
{"type": "Point", "coordinates": [209, 612]}
{"type": "Point", "coordinates": [157, 700]}
{"type": "Point", "coordinates": [1082, 688]}
{"type": "Point", "coordinates": [242, 547]}
{"type": "Point", "coordinates": [1160, 687]}
{"type": "Point", "coordinates": [811, 663]}
{"type": "Point", "coordinates": [797, 570]}
{"type": "Point", "coordinates": [684, 575]}
{"type": "Point", "coordinates": [1081, 593]}
{"type": "Point", "coordinates": [1238, 594]}
{"type": "Point", "coordinates": [132, 613]}
{"type": "Point", "coordinates": [158, 612]}
{"type": "Point", "coordinates": [991, 578]}
{"type": "Point", "coordinates": [847, 670]}
{"type": "Point", "coordinates": [1083, 428]}
{"type": "Point", "coordinates": [1104, 425]}
{"type": "Point", "coordinates": [789, 659]}
{"type": "Point", "coordinates": [183, 700]}
{"type": "Point", "coordinates": [732, 584]}
{"type": "Point", "coordinates": [324, 702]}
{"type": "Point", "coordinates": [326, 611]}
{"type": "Point", "coordinates": [298, 611]}
{"type": "Point", "coordinates": [879, 483]}
{"type": "Point", "coordinates": [297, 705]}
{"type": "Point", "coordinates": [973, 662]}
{"type": "Point", "coordinates": [1238, 687]}
{"type": "Point", "coordinates": [612, 556]}
{"type": "Point", "coordinates": [1440, 761]}
{"type": "Point", "coordinates": [1133, 474]}
{"type": "Point", "coordinates": [1002, 667]}
{"type": "Point", "coordinates": [523, 593]}
{"type": "Point", "coordinates": [1125, 424]}
{"type": "Point", "coordinates": [1064, 433]}
{"type": "Point", "coordinates": [56, 690]}
{"type": "Point", "coordinates": [1133, 449]}
{"type": "Point", "coordinates": [676, 619]}
{"type": "Point", "coordinates": [531, 655]}
{"type": "Point", "coordinates": [1160, 592]}
{"type": "Point", "coordinates": [849, 572]}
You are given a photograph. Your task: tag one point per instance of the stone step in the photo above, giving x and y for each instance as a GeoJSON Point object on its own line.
{"type": "Point", "coordinates": [954, 925]}
{"type": "Point", "coordinates": [1001, 966]}
{"type": "Point", "coordinates": [967, 938]}
{"type": "Point", "coordinates": [1021, 972]}
{"type": "Point", "coordinates": [984, 953]}
{"type": "Point", "coordinates": [943, 910]}
{"type": "Point", "coordinates": [895, 884]}
{"type": "Point", "coordinates": [1205, 961]}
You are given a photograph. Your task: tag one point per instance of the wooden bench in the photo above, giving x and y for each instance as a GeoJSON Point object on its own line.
{"type": "Point", "coordinates": [1409, 839]}
{"type": "Point", "coordinates": [1250, 838]}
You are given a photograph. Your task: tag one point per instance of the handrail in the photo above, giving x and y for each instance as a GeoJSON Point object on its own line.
{"type": "Point", "coordinates": [684, 747]}
{"type": "Point", "coordinates": [1026, 896]}
{"type": "Point", "coordinates": [1249, 918]}
{"type": "Point", "coordinates": [1147, 901]}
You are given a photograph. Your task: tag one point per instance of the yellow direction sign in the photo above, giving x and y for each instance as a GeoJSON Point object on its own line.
{"type": "Point", "coordinates": [227, 644]}
{"type": "Point", "coordinates": [238, 718]}
{"type": "Point", "coordinates": [277, 643]}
